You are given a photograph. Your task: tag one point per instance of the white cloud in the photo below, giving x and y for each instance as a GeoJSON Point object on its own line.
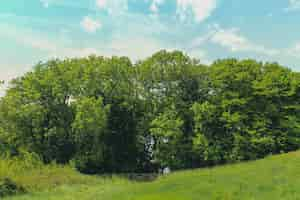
{"type": "Point", "coordinates": [11, 69]}
{"type": "Point", "coordinates": [72, 52]}
{"type": "Point", "coordinates": [295, 50]}
{"type": "Point", "coordinates": [202, 9]}
{"type": "Point", "coordinates": [101, 3]}
{"type": "Point", "coordinates": [90, 25]}
{"type": "Point", "coordinates": [236, 42]}
{"type": "Point", "coordinates": [199, 41]}
{"type": "Point", "coordinates": [199, 54]}
{"type": "Point", "coordinates": [28, 38]}
{"type": "Point", "coordinates": [293, 5]}
{"type": "Point", "coordinates": [135, 48]}
{"type": "Point", "coordinates": [6, 75]}
{"type": "Point", "coordinates": [58, 47]}
{"type": "Point", "coordinates": [232, 40]}
{"type": "Point", "coordinates": [113, 7]}
{"type": "Point", "coordinates": [155, 5]}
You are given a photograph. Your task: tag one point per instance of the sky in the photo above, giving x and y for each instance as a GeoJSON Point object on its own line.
{"type": "Point", "coordinates": [38, 30]}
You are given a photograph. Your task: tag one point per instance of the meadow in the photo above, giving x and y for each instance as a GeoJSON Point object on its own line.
{"type": "Point", "coordinates": [275, 177]}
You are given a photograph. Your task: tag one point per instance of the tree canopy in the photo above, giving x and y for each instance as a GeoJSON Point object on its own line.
{"type": "Point", "coordinates": [109, 115]}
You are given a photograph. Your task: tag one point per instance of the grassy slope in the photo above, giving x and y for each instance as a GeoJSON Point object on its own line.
{"type": "Point", "coordinates": [276, 177]}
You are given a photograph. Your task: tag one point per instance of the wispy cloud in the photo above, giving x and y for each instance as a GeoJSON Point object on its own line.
{"type": "Point", "coordinates": [113, 7]}
{"type": "Point", "coordinates": [101, 3]}
{"type": "Point", "coordinates": [131, 47]}
{"type": "Point", "coordinates": [28, 38]}
{"type": "Point", "coordinates": [7, 74]}
{"type": "Point", "coordinates": [125, 27]}
{"type": "Point", "coordinates": [233, 40]}
{"type": "Point", "coordinates": [155, 5]}
{"type": "Point", "coordinates": [90, 25]}
{"type": "Point", "coordinates": [201, 9]}
{"type": "Point", "coordinates": [294, 50]}
{"type": "Point", "coordinates": [293, 5]}
{"type": "Point", "coordinates": [119, 45]}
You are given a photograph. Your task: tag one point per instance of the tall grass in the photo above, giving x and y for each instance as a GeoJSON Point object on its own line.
{"type": "Point", "coordinates": [15, 166]}
{"type": "Point", "coordinates": [28, 171]}
{"type": "Point", "coordinates": [273, 178]}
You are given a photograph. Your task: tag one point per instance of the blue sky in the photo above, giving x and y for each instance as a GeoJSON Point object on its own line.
{"type": "Point", "coordinates": [37, 30]}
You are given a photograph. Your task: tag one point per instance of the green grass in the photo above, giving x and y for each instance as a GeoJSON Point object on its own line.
{"type": "Point", "coordinates": [30, 173]}
{"type": "Point", "coordinates": [274, 178]}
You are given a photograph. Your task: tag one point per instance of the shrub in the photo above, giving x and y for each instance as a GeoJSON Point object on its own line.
{"type": "Point", "coordinates": [9, 187]}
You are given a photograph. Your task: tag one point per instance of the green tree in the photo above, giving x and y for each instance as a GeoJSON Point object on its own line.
{"type": "Point", "coordinates": [89, 127]}
{"type": "Point", "coordinates": [166, 130]}
{"type": "Point", "coordinates": [110, 115]}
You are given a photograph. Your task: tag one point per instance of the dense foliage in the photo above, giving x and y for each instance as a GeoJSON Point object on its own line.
{"type": "Point", "coordinates": [9, 188]}
{"type": "Point", "coordinates": [109, 115]}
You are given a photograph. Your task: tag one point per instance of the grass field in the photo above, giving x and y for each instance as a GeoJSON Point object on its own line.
{"type": "Point", "coordinates": [276, 177]}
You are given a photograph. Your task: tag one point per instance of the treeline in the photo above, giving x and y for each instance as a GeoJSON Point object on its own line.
{"type": "Point", "coordinates": [108, 115]}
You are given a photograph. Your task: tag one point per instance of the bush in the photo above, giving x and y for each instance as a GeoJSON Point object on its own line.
{"type": "Point", "coordinates": [88, 164]}
{"type": "Point", "coordinates": [9, 187]}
